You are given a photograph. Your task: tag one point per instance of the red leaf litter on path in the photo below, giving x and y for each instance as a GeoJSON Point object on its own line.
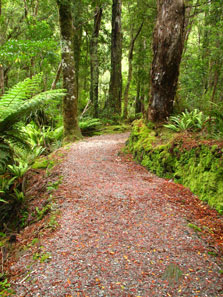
{"type": "Point", "coordinates": [123, 232]}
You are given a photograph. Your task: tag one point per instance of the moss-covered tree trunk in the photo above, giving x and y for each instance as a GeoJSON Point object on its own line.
{"type": "Point", "coordinates": [94, 60]}
{"type": "Point", "coordinates": [115, 87]}
{"type": "Point", "coordinates": [168, 43]}
{"type": "Point", "coordinates": [70, 115]}
{"type": "Point", "coordinates": [77, 40]}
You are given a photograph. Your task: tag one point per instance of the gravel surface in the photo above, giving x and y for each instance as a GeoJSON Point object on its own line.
{"type": "Point", "coordinates": [119, 234]}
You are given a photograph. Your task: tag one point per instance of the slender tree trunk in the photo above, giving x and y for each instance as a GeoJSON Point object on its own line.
{"type": "Point", "coordinates": [53, 86]}
{"type": "Point", "coordinates": [138, 101]}
{"type": "Point", "coordinates": [115, 87]}
{"type": "Point", "coordinates": [70, 116]}
{"type": "Point", "coordinates": [94, 60]}
{"type": "Point", "coordinates": [77, 52]}
{"type": "Point", "coordinates": [36, 8]}
{"type": "Point", "coordinates": [215, 84]}
{"type": "Point", "coordinates": [130, 58]}
{"type": "Point", "coordinates": [77, 32]}
{"type": "Point", "coordinates": [168, 42]}
{"type": "Point", "coordinates": [2, 84]}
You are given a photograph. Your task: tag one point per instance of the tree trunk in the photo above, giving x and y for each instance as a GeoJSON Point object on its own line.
{"type": "Point", "coordinates": [130, 58]}
{"type": "Point", "coordinates": [216, 78]}
{"type": "Point", "coordinates": [115, 87]}
{"type": "Point", "coordinates": [168, 42]}
{"type": "Point", "coordinates": [138, 100]}
{"type": "Point", "coordinates": [70, 116]}
{"type": "Point", "coordinates": [2, 85]}
{"type": "Point", "coordinates": [77, 32]}
{"type": "Point", "coordinates": [54, 83]}
{"type": "Point", "coordinates": [94, 60]}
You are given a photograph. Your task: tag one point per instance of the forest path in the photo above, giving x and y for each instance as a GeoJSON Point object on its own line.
{"type": "Point", "coordinates": [120, 234]}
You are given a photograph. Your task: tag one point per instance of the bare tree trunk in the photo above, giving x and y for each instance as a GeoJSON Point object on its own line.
{"type": "Point", "coordinates": [168, 42]}
{"type": "Point", "coordinates": [70, 117]}
{"type": "Point", "coordinates": [115, 87]}
{"type": "Point", "coordinates": [53, 86]}
{"type": "Point", "coordinates": [130, 58]}
{"type": "Point", "coordinates": [94, 60]}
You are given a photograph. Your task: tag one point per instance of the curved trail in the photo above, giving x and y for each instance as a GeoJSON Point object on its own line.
{"type": "Point", "coordinates": [119, 234]}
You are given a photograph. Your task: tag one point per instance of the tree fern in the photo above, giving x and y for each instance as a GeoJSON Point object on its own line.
{"type": "Point", "coordinates": [16, 95]}
{"type": "Point", "coordinates": [23, 109]}
{"type": "Point", "coordinates": [15, 106]}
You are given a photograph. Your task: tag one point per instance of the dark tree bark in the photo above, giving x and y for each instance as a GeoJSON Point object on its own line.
{"type": "Point", "coordinates": [140, 98]}
{"type": "Point", "coordinates": [70, 116]}
{"type": "Point", "coordinates": [130, 58]}
{"type": "Point", "coordinates": [94, 60]}
{"type": "Point", "coordinates": [168, 43]}
{"type": "Point", "coordinates": [115, 87]}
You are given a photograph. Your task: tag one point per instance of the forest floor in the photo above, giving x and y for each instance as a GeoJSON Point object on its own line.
{"type": "Point", "coordinates": [121, 232]}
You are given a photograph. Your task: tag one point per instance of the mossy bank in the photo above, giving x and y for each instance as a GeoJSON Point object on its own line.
{"type": "Point", "coordinates": [184, 157]}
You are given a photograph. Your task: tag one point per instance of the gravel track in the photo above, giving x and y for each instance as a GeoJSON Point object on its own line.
{"type": "Point", "coordinates": [119, 234]}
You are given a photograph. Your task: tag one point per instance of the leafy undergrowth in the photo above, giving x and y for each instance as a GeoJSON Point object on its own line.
{"type": "Point", "coordinates": [95, 126]}
{"type": "Point", "coordinates": [184, 157]}
{"type": "Point", "coordinates": [112, 129]}
{"type": "Point", "coordinates": [39, 217]}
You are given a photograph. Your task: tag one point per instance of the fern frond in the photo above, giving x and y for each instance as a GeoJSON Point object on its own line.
{"type": "Point", "coordinates": [26, 108]}
{"type": "Point", "coordinates": [16, 95]}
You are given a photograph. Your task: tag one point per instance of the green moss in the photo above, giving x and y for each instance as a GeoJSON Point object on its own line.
{"type": "Point", "coordinates": [199, 167]}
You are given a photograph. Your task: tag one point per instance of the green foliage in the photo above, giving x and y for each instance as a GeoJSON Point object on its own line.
{"type": "Point", "coordinates": [18, 170]}
{"type": "Point", "coordinates": [89, 125]}
{"type": "Point", "coordinates": [201, 68]}
{"type": "Point", "coordinates": [215, 124]}
{"type": "Point", "coordinates": [52, 186]}
{"type": "Point", "coordinates": [193, 120]}
{"type": "Point", "coordinates": [22, 91]}
{"type": "Point", "coordinates": [15, 106]}
{"type": "Point", "coordinates": [5, 288]}
{"type": "Point", "coordinates": [42, 257]}
{"type": "Point", "coordinates": [199, 167]}
{"type": "Point", "coordinates": [42, 212]}
{"type": "Point", "coordinates": [12, 199]}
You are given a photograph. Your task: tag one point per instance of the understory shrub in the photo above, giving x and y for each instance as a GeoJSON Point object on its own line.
{"type": "Point", "coordinates": [193, 120]}
{"type": "Point", "coordinates": [197, 164]}
{"type": "Point", "coordinates": [17, 145]}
